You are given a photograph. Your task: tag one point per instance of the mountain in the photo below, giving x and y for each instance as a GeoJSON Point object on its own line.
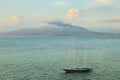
{"type": "Point", "coordinates": [55, 29]}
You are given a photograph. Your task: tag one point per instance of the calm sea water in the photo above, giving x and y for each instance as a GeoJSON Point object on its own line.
{"type": "Point", "coordinates": [43, 58]}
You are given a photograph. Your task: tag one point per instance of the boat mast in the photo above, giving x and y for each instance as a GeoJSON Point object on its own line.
{"type": "Point", "coordinates": [84, 54]}
{"type": "Point", "coordinates": [73, 54]}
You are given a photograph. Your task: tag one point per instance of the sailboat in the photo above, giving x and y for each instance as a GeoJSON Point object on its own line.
{"type": "Point", "coordinates": [77, 70]}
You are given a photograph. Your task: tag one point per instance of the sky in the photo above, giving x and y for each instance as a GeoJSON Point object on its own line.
{"type": "Point", "coordinates": [96, 15]}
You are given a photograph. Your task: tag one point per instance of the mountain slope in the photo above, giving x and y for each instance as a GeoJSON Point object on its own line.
{"type": "Point", "coordinates": [54, 29]}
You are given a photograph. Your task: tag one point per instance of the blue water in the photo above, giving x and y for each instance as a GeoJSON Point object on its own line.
{"type": "Point", "coordinates": [43, 58]}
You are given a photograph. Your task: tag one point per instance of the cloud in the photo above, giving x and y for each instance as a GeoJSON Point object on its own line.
{"type": "Point", "coordinates": [113, 24]}
{"type": "Point", "coordinates": [95, 3]}
{"type": "Point", "coordinates": [16, 19]}
{"type": "Point", "coordinates": [72, 14]}
{"type": "Point", "coordinates": [60, 23]}
{"type": "Point", "coordinates": [60, 3]}
{"type": "Point", "coordinates": [13, 19]}
{"type": "Point", "coordinates": [104, 1]}
{"type": "Point", "coordinates": [98, 9]}
{"type": "Point", "coordinates": [15, 22]}
{"type": "Point", "coordinates": [112, 21]}
{"type": "Point", "coordinates": [118, 17]}
{"type": "Point", "coordinates": [38, 15]}
{"type": "Point", "coordinates": [117, 20]}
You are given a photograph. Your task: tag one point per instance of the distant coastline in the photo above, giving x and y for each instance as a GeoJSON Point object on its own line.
{"type": "Point", "coordinates": [62, 29]}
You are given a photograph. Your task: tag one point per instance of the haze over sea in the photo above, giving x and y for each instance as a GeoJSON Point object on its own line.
{"type": "Point", "coordinates": [43, 58]}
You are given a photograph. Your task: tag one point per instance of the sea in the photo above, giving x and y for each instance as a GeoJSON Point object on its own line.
{"type": "Point", "coordinates": [43, 58]}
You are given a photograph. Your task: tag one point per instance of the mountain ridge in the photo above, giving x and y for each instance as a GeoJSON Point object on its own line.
{"type": "Point", "coordinates": [56, 29]}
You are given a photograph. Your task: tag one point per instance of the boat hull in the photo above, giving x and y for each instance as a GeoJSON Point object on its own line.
{"type": "Point", "coordinates": [78, 70]}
